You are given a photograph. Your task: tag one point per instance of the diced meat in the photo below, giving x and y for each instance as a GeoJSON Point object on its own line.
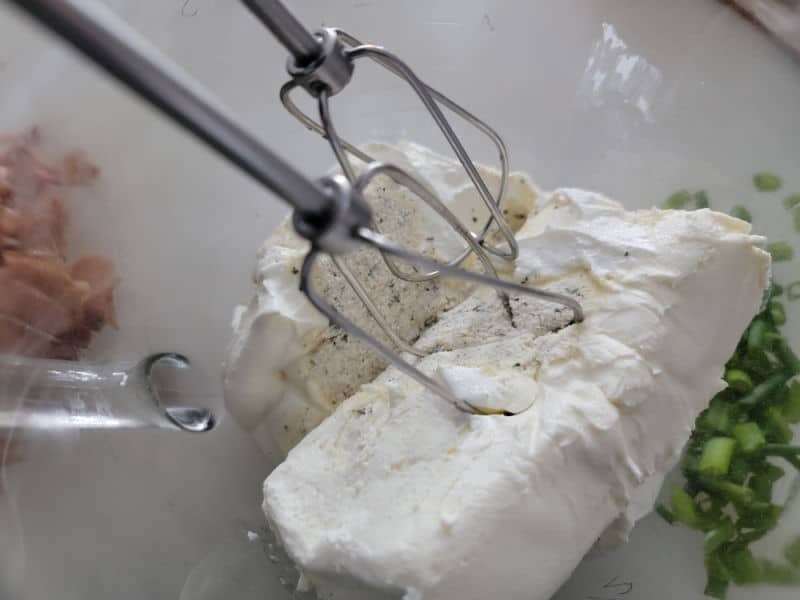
{"type": "Point", "coordinates": [9, 228]}
{"type": "Point", "coordinates": [22, 302]}
{"type": "Point", "coordinates": [47, 308]}
{"type": "Point", "coordinates": [42, 227]}
{"type": "Point", "coordinates": [77, 169]}
{"type": "Point", "coordinates": [98, 305]}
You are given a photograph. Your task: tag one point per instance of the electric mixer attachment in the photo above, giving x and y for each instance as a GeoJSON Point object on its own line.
{"type": "Point", "coordinates": [329, 212]}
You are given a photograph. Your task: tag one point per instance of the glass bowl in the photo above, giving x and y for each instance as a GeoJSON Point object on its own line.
{"type": "Point", "coordinates": [634, 98]}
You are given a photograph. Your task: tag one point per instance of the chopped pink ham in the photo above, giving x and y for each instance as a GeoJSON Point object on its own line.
{"type": "Point", "coordinates": [47, 308]}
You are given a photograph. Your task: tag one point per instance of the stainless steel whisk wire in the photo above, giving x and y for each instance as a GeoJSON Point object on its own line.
{"type": "Point", "coordinates": [330, 212]}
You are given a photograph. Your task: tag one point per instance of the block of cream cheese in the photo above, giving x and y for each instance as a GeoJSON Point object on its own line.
{"type": "Point", "coordinates": [287, 368]}
{"type": "Point", "coordinates": [396, 494]}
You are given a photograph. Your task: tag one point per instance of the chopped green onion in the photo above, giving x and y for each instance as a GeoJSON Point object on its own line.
{"type": "Point", "coordinates": [716, 457]}
{"type": "Point", "coordinates": [794, 291]}
{"type": "Point", "coordinates": [772, 472]}
{"type": "Point", "coordinates": [779, 574]}
{"type": "Point", "coordinates": [719, 576]}
{"type": "Point", "coordinates": [677, 200]}
{"type": "Point", "coordinates": [739, 470]}
{"type": "Point", "coordinates": [764, 390]}
{"type": "Point", "coordinates": [665, 513]}
{"type": "Point", "coordinates": [792, 552]}
{"type": "Point", "coordinates": [775, 289]}
{"type": "Point", "coordinates": [740, 212]}
{"type": "Point", "coordinates": [762, 487]}
{"type": "Point", "coordinates": [684, 509]}
{"type": "Point", "coordinates": [715, 538]}
{"type": "Point", "coordinates": [791, 201]}
{"type": "Point", "coordinates": [780, 450]}
{"type": "Point", "coordinates": [761, 516]}
{"type": "Point", "coordinates": [776, 427]}
{"type": "Point", "coordinates": [767, 182]}
{"type": "Point", "coordinates": [716, 588]}
{"type": "Point", "coordinates": [780, 251]}
{"type": "Point", "coordinates": [749, 437]}
{"type": "Point", "coordinates": [732, 491]}
{"type": "Point", "coordinates": [791, 410]}
{"type": "Point", "coordinates": [718, 417]}
{"type": "Point", "coordinates": [787, 356]}
{"type": "Point", "coordinates": [739, 380]}
{"type": "Point", "coordinates": [755, 335]}
{"type": "Point", "coordinates": [701, 199]}
{"type": "Point", "coordinates": [743, 566]}
{"type": "Point", "coordinates": [777, 312]}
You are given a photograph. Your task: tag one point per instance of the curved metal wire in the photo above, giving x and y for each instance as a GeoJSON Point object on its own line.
{"type": "Point", "coordinates": [354, 330]}
{"type": "Point", "coordinates": [405, 179]}
{"type": "Point", "coordinates": [430, 97]}
{"type": "Point", "coordinates": [384, 245]}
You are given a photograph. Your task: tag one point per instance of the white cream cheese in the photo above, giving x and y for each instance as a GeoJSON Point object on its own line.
{"type": "Point", "coordinates": [287, 369]}
{"type": "Point", "coordinates": [398, 493]}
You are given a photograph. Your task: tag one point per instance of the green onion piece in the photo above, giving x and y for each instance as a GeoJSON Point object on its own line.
{"type": "Point", "coordinates": [772, 472]}
{"type": "Point", "coordinates": [794, 291]}
{"type": "Point", "coordinates": [749, 437]}
{"type": "Point", "coordinates": [787, 356]}
{"type": "Point", "coordinates": [775, 290]}
{"type": "Point", "coordinates": [780, 251]}
{"type": "Point", "coordinates": [780, 450]}
{"type": "Point", "coordinates": [759, 515]}
{"type": "Point", "coordinates": [716, 457]}
{"type": "Point", "coordinates": [740, 212]}
{"type": "Point", "coordinates": [779, 574]}
{"type": "Point", "coordinates": [767, 182]}
{"type": "Point", "coordinates": [791, 201]}
{"type": "Point", "coordinates": [716, 588]}
{"type": "Point", "coordinates": [776, 429]}
{"type": "Point", "coordinates": [683, 508]}
{"type": "Point", "coordinates": [717, 568]}
{"type": "Point", "coordinates": [762, 482]}
{"type": "Point", "coordinates": [717, 418]}
{"type": "Point", "coordinates": [762, 487]}
{"type": "Point", "coordinates": [678, 200]}
{"type": "Point", "coordinates": [732, 491]}
{"type": "Point", "coordinates": [739, 470]}
{"type": "Point", "coordinates": [743, 566]}
{"type": "Point", "coordinates": [777, 312]}
{"type": "Point", "coordinates": [763, 391]}
{"type": "Point", "coordinates": [791, 410]}
{"type": "Point", "coordinates": [739, 380]}
{"type": "Point", "coordinates": [715, 538]}
{"type": "Point", "coordinates": [665, 513]}
{"type": "Point", "coordinates": [792, 552]}
{"type": "Point", "coordinates": [701, 199]}
{"type": "Point", "coordinates": [755, 335]}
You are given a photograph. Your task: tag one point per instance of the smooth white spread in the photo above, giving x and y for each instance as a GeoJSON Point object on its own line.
{"type": "Point", "coordinates": [396, 493]}
{"type": "Point", "coordinates": [287, 368]}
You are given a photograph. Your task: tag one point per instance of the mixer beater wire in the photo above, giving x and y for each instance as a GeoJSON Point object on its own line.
{"type": "Point", "coordinates": [330, 212]}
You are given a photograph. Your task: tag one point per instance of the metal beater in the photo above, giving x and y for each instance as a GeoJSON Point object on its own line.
{"type": "Point", "coordinates": [329, 212]}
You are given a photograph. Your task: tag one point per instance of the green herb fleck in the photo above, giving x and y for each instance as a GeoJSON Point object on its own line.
{"type": "Point", "coordinates": [740, 212]}
{"type": "Point", "coordinates": [767, 182]}
{"type": "Point", "coordinates": [792, 552]}
{"type": "Point", "coordinates": [701, 199]}
{"type": "Point", "coordinates": [678, 200]}
{"type": "Point", "coordinates": [791, 201]}
{"type": "Point", "coordinates": [665, 513]}
{"type": "Point", "coordinates": [780, 251]}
